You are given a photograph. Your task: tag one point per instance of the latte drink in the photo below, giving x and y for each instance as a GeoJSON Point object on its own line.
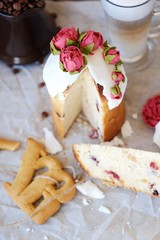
{"type": "Point", "coordinates": [128, 24]}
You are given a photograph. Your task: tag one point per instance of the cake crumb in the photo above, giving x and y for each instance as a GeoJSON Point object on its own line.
{"type": "Point", "coordinates": [104, 209]}
{"type": "Point", "coordinates": [126, 129]}
{"type": "Point", "coordinates": [28, 229]}
{"type": "Point", "coordinates": [41, 84]}
{"type": "Point", "coordinates": [85, 202]}
{"type": "Point", "coordinates": [135, 116]}
{"type": "Point", "coordinates": [116, 141]}
{"type": "Point", "coordinates": [45, 237]}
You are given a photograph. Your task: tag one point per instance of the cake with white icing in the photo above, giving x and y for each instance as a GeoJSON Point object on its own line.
{"type": "Point", "coordinates": [84, 73]}
{"type": "Point", "coordinates": [134, 169]}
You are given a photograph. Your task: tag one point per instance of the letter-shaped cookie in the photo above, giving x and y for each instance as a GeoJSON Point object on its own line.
{"type": "Point", "coordinates": [38, 196]}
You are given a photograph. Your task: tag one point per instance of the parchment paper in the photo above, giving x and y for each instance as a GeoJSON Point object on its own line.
{"type": "Point", "coordinates": [133, 216]}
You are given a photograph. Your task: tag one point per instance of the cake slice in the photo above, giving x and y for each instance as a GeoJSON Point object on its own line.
{"type": "Point", "coordinates": [124, 167]}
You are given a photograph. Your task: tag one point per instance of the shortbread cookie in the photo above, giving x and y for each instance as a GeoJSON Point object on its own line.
{"type": "Point", "coordinates": [6, 144]}
{"type": "Point", "coordinates": [124, 167]}
{"type": "Point", "coordinates": [38, 196]}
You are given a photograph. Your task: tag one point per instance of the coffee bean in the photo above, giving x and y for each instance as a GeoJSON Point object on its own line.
{"type": "Point", "coordinates": [1, 5]}
{"type": "Point", "coordinates": [17, 6]}
{"type": "Point", "coordinates": [31, 5]}
{"type": "Point", "coordinates": [39, 4]}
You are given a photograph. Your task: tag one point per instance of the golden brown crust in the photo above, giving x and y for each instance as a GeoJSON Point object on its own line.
{"type": "Point", "coordinates": [112, 119]}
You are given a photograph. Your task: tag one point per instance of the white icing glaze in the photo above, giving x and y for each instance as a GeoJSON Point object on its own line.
{"type": "Point", "coordinates": [101, 72]}
{"type": "Point", "coordinates": [57, 81]}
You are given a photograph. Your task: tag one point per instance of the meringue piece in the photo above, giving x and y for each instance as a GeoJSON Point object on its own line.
{"type": "Point", "coordinates": [104, 209]}
{"type": "Point", "coordinates": [126, 129]}
{"type": "Point", "coordinates": [51, 143]}
{"type": "Point", "coordinates": [156, 137]}
{"type": "Point", "coordinates": [117, 142]}
{"type": "Point", "coordinates": [90, 189]}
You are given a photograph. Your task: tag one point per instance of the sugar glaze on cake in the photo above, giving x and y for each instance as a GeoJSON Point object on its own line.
{"type": "Point", "coordinates": [57, 81]}
{"type": "Point", "coordinates": [89, 91]}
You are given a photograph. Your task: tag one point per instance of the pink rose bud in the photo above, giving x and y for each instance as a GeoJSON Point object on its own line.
{"type": "Point", "coordinates": [118, 76]}
{"type": "Point", "coordinates": [72, 59]}
{"type": "Point", "coordinates": [90, 41]}
{"type": "Point", "coordinates": [64, 35]}
{"type": "Point", "coordinates": [112, 56]}
{"type": "Point", "coordinates": [116, 92]}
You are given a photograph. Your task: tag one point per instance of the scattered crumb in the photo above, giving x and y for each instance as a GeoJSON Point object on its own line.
{"type": "Point", "coordinates": [104, 209]}
{"type": "Point", "coordinates": [117, 142]}
{"type": "Point", "coordinates": [41, 84]}
{"type": "Point", "coordinates": [90, 189]}
{"type": "Point", "coordinates": [28, 229]}
{"type": "Point", "coordinates": [51, 143]}
{"type": "Point", "coordinates": [156, 137]}
{"type": "Point", "coordinates": [44, 114]}
{"type": "Point", "coordinates": [85, 202]}
{"type": "Point", "coordinates": [45, 237]}
{"type": "Point", "coordinates": [134, 115]}
{"type": "Point", "coordinates": [126, 129]}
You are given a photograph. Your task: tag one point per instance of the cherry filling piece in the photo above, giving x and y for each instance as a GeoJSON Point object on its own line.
{"type": "Point", "coordinates": [113, 174]}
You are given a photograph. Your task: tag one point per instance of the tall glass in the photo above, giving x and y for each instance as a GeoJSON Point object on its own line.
{"type": "Point", "coordinates": [128, 24]}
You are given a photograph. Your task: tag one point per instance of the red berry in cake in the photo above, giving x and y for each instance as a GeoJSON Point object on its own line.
{"type": "Point", "coordinates": [95, 160]}
{"type": "Point", "coordinates": [154, 165]}
{"type": "Point", "coordinates": [94, 134]}
{"type": "Point", "coordinates": [113, 174]}
{"type": "Point", "coordinates": [90, 41]}
{"type": "Point", "coordinates": [65, 37]}
{"type": "Point", "coordinates": [72, 60]}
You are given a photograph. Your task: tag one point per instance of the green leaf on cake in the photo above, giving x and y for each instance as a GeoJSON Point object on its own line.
{"type": "Point", "coordinates": [62, 67]}
{"type": "Point", "coordinates": [82, 36]}
{"type": "Point", "coordinates": [119, 63]}
{"type": "Point", "coordinates": [105, 44]}
{"type": "Point", "coordinates": [71, 42]}
{"type": "Point", "coordinates": [115, 90]}
{"type": "Point", "coordinates": [88, 49]}
{"type": "Point", "coordinates": [54, 51]}
{"type": "Point", "coordinates": [85, 61]}
{"type": "Point", "coordinates": [109, 58]}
